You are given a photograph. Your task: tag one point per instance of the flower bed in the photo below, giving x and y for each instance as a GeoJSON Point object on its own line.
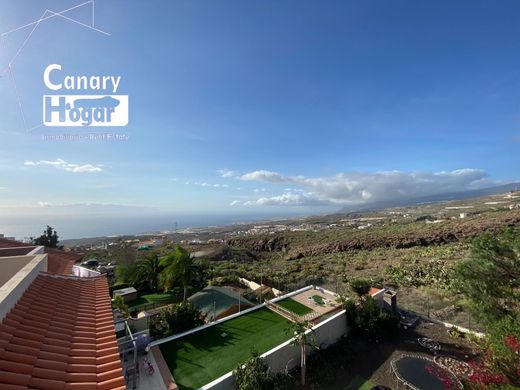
{"type": "Point", "coordinates": [457, 367]}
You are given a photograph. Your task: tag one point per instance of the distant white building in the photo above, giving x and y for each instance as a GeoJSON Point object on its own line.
{"type": "Point", "coordinates": [463, 215]}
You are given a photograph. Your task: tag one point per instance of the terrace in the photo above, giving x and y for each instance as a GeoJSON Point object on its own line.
{"type": "Point", "coordinates": [313, 305]}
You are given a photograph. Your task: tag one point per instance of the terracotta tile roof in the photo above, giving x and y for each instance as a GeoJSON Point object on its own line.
{"type": "Point", "coordinates": [58, 262]}
{"type": "Point", "coordinates": [61, 335]}
{"type": "Point", "coordinates": [61, 262]}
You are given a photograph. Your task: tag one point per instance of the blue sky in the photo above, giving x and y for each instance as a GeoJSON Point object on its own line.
{"type": "Point", "coordinates": [267, 106]}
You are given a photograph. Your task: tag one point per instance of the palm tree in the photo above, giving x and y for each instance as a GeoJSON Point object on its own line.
{"type": "Point", "coordinates": [148, 270]}
{"type": "Point", "coordinates": [302, 338]}
{"type": "Point", "coordinates": [178, 268]}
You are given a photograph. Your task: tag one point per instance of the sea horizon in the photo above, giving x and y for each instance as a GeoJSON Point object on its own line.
{"type": "Point", "coordinates": [85, 226]}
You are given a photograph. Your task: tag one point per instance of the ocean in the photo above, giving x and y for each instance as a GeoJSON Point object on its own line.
{"type": "Point", "coordinates": [84, 226]}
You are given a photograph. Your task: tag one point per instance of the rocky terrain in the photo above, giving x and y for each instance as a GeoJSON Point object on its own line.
{"type": "Point", "coordinates": [297, 245]}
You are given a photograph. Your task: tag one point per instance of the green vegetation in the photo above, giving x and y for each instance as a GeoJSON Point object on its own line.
{"type": "Point", "coordinates": [303, 338]}
{"type": "Point", "coordinates": [120, 304]}
{"type": "Point", "coordinates": [168, 269]}
{"type": "Point", "coordinates": [360, 286]}
{"type": "Point", "coordinates": [318, 300]}
{"type": "Point", "coordinates": [175, 319]}
{"type": "Point", "coordinates": [49, 238]}
{"type": "Point", "coordinates": [178, 267]}
{"type": "Point", "coordinates": [293, 306]}
{"type": "Point", "coordinates": [420, 273]}
{"type": "Point", "coordinates": [255, 374]}
{"type": "Point", "coordinates": [201, 357]}
{"type": "Point", "coordinates": [490, 281]}
{"type": "Point", "coordinates": [368, 320]}
{"type": "Point", "coordinates": [151, 300]}
{"type": "Point", "coordinates": [490, 277]}
{"type": "Point", "coordinates": [148, 270]}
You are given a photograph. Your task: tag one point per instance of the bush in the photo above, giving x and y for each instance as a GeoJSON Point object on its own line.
{"type": "Point", "coordinates": [120, 304]}
{"type": "Point", "coordinates": [360, 286]}
{"type": "Point", "coordinates": [255, 374]}
{"type": "Point", "coordinates": [367, 319]}
{"type": "Point", "coordinates": [175, 319]}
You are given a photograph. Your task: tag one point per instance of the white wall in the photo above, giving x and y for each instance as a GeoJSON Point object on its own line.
{"type": "Point", "coordinates": [13, 290]}
{"type": "Point", "coordinates": [84, 272]}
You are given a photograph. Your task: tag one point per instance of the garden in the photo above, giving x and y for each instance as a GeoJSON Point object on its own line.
{"type": "Point", "coordinates": [201, 357]}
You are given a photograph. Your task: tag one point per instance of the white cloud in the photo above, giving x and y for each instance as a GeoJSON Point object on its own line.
{"type": "Point", "coordinates": [3, 188]}
{"type": "Point", "coordinates": [235, 203]}
{"type": "Point", "coordinates": [263, 175]}
{"type": "Point", "coordinates": [227, 173]}
{"type": "Point", "coordinates": [358, 188]}
{"type": "Point", "coordinates": [66, 166]}
{"type": "Point", "coordinates": [205, 184]}
{"type": "Point", "coordinates": [289, 199]}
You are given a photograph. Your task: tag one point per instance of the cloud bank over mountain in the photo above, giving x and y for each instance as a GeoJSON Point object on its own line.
{"type": "Point", "coordinates": [361, 188]}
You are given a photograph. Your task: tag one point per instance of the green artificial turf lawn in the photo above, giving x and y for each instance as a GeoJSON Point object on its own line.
{"type": "Point", "coordinates": [202, 357]}
{"type": "Point", "coordinates": [293, 306]}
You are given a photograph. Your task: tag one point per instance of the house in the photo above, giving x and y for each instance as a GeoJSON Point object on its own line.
{"type": "Point", "coordinates": [56, 329]}
{"type": "Point", "coordinates": [219, 302]}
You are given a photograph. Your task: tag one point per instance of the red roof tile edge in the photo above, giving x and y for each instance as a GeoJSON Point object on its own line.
{"type": "Point", "coordinates": [61, 335]}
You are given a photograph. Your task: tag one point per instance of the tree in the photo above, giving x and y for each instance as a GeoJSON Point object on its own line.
{"type": "Point", "coordinates": [490, 281]}
{"type": "Point", "coordinates": [174, 319]}
{"type": "Point", "coordinates": [49, 238]}
{"type": "Point", "coordinates": [149, 269]}
{"type": "Point", "coordinates": [255, 374]}
{"type": "Point", "coordinates": [490, 277]}
{"type": "Point", "coordinates": [360, 286]}
{"type": "Point", "coordinates": [368, 320]}
{"type": "Point", "coordinates": [126, 274]}
{"type": "Point", "coordinates": [178, 268]}
{"type": "Point", "coordinates": [368, 316]}
{"type": "Point", "coordinates": [303, 337]}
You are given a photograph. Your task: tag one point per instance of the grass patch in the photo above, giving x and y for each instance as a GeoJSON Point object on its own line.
{"type": "Point", "coordinates": [359, 383]}
{"type": "Point", "coordinates": [149, 299]}
{"type": "Point", "coordinates": [294, 306]}
{"type": "Point", "coordinates": [202, 357]}
{"type": "Point", "coordinates": [318, 300]}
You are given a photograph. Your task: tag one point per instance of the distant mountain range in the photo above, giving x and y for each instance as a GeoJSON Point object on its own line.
{"type": "Point", "coordinates": [433, 198]}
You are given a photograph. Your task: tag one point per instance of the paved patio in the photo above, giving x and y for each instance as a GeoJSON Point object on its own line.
{"type": "Point", "coordinates": [305, 298]}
